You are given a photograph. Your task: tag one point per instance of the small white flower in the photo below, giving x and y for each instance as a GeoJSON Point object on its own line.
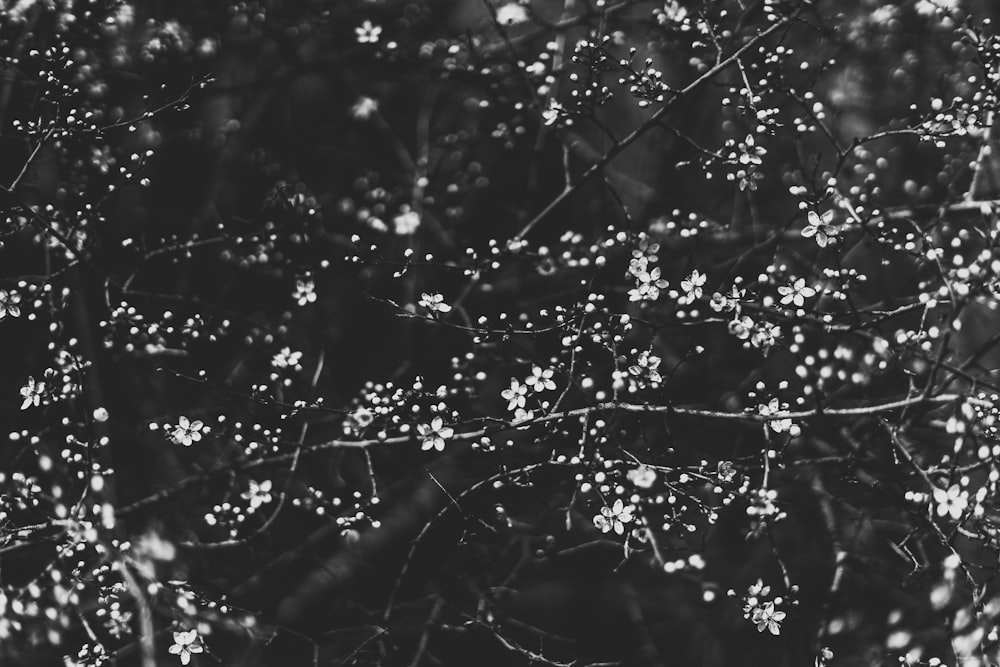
{"type": "Point", "coordinates": [693, 284]}
{"type": "Point", "coordinates": [187, 431]}
{"type": "Point", "coordinates": [821, 228]}
{"type": "Point", "coordinates": [765, 336]}
{"type": "Point", "coordinates": [515, 395]}
{"type": "Point", "coordinates": [614, 517]}
{"type": "Point", "coordinates": [796, 293]}
{"type": "Point", "coordinates": [32, 393]}
{"type": "Point", "coordinates": [751, 153]}
{"type": "Point", "coordinates": [305, 292]}
{"type": "Point", "coordinates": [258, 494]}
{"type": "Point", "coordinates": [742, 327]}
{"type": "Point", "coordinates": [9, 304]}
{"type": "Point", "coordinates": [648, 281]}
{"type": "Point", "coordinates": [767, 617]}
{"type": "Point", "coordinates": [953, 501]}
{"type": "Point", "coordinates": [435, 434]}
{"type": "Point", "coordinates": [540, 380]}
{"type": "Point", "coordinates": [186, 644]}
{"type": "Point", "coordinates": [368, 33]}
{"type": "Point", "coordinates": [434, 303]}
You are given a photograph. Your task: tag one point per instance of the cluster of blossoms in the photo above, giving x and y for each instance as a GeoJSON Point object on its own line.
{"type": "Point", "coordinates": [763, 509]}
{"type": "Point", "coordinates": [757, 332]}
{"type": "Point", "coordinates": [765, 613]}
{"type": "Point", "coordinates": [516, 395]}
{"type": "Point", "coordinates": [643, 374]}
{"type": "Point", "coordinates": [285, 362]}
{"type": "Point", "coordinates": [646, 83]}
{"type": "Point", "coordinates": [648, 277]}
{"type": "Point", "coordinates": [625, 388]}
{"type": "Point", "coordinates": [287, 358]}
{"type": "Point", "coordinates": [955, 501]}
{"type": "Point", "coordinates": [772, 412]}
{"type": "Point", "coordinates": [746, 157]}
{"type": "Point", "coordinates": [760, 334]}
{"type": "Point", "coordinates": [673, 14]}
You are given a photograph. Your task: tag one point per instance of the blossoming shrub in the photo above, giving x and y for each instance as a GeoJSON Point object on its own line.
{"type": "Point", "coordinates": [500, 332]}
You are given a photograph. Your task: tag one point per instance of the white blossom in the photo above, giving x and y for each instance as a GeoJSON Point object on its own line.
{"type": "Point", "coordinates": [434, 434]}
{"type": "Point", "coordinates": [540, 380]}
{"type": "Point", "coordinates": [768, 618]}
{"type": "Point", "coordinates": [693, 284]}
{"type": "Point", "coordinates": [258, 494]}
{"type": "Point", "coordinates": [368, 33]}
{"type": "Point", "coordinates": [434, 303]}
{"type": "Point", "coordinates": [796, 293]}
{"type": "Point", "coordinates": [821, 228]}
{"type": "Point", "coordinates": [305, 292]}
{"type": "Point", "coordinates": [614, 517]}
{"type": "Point", "coordinates": [187, 432]}
{"type": "Point", "coordinates": [9, 304]}
{"type": "Point", "coordinates": [951, 502]}
{"type": "Point", "coordinates": [32, 393]}
{"type": "Point", "coordinates": [186, 643]}
{"type": "Point", "coordinates": [515, 395]}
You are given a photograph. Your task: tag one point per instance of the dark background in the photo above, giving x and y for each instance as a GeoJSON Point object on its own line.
{"type": "Point", "coordinates": [259, 177]}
